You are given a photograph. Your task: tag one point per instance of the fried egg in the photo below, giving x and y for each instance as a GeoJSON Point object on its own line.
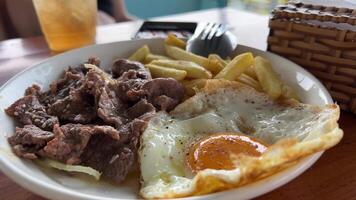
{"type": "Point", "coordinates": [226, 136]}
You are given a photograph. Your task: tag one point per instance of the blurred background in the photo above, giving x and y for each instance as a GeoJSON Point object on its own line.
{"type": "Point", "coordinates": [25, 25]}
{"type": "Point", "coordinates": [15, 25]}
{"type": "Point", "coordinates": [140, 9]}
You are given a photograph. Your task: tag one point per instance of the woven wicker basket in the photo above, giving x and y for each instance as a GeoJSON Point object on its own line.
{"type": "Point", "coordinates": [322, 40]}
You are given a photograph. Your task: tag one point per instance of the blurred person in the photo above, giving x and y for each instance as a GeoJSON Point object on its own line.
{"type": "Point", "coordinates": [18, 17]}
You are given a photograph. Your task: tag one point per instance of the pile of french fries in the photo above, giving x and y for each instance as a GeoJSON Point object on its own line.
{"type": "Point", "coordinates": [193, 70]}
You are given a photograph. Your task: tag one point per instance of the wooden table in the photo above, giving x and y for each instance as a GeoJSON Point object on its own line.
{"type": "Point", "coordinates": [333, 176]}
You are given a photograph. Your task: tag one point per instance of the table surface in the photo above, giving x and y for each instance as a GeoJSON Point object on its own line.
{"type": "Point", "coordinates": [333, 176]}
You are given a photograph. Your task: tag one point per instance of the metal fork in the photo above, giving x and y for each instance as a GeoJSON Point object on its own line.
{"type": "Point", "coordinates": [211, 38]}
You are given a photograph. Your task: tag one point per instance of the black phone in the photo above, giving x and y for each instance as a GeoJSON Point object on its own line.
{"type": "Point", "coordinates": [152, 29]}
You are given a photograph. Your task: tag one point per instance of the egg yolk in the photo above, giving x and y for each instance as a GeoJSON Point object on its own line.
{"type": "Point", "coordinates": [214, 152]}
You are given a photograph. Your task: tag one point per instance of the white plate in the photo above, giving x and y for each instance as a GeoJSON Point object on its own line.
{"type": "Point", "coordinates": [57, 185]}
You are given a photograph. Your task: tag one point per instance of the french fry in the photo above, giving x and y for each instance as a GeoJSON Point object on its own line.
{"type": "Point", "coordinates": [158, 71]}
{"type": "Point", "coordinates": [180, 54]}
{"type": "Point", "coordinates": [193, 86]}
{"type": "Point", "coordinates": [174, 41]}
{"type": "Point", "coordinates": [227, 59]}
{"type": "Point", "coordinates": [236, 67]}
{"type": "Point", "coordinates": [151, 57]}
{"type": "Point", "coordinates": [268, 78]}
{"type": "Point", "coordinates": [251, 72]}
{"type": "Point", "coordinates": [140, 54]}
{"type": "Point", "coordinates": [289, 93]}
{"type": "Point", "coordinates": [213, 65]}
{"type": "Point", "coordinates": [246, 79]}
{"type": "Point", "coordinates": [193, 70]}
{"type": "Point", "coordinates": [217, 57]}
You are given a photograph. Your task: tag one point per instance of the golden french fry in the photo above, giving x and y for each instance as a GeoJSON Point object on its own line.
{"type": "Point", "coordinates": [174, 41]}
{"type": "Point", "coordinates": [236, 67]}
{"type": "Point", "coordinates": [268, 78]}
{"type": "Point", "coordinates": [158, 71]}
{"type": "Point", "coordinates": [289, 93]}
{"type": "Point", "coordinates": [151, 57]}
{"type": "Point", "coordinates": [228, 59]}
{"type": "Point", "coordinates": [180, 54]}
{"type": "Point", "coordinates": [213, 65]}
{"type": "Point", "coordinates": [217, 57]}
{"type": "Point", "coordinates": [193, 70]}
{"type": "Point", "coordinates": [251, 72]}
{"type": "Point", "coordinates": [246, 79]}
{"type": "Point", "coordinates": [140, 54]}
{"type": "Point", "coordinates": [193, 86]}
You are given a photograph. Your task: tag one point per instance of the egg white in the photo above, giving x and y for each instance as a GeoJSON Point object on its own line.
{"type": "Point", "coordinates": [166, 140]}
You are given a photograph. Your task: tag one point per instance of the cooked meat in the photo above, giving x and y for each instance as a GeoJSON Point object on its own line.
{"type": "Point", "coordinates": [61, 88]}
{"type": "Point", "coordinates": [33, 90]}
{"type": "Point", "coordinates": [94, 122]}
{"type": "Point", "coordinates": [140, 109]}
{"type": "Point", "coordinates": [94, 61]}
{"type": "Point", "coordinates": [79, 105]}
{"type": "Point", "coordinates": [130, 78]}
{"type": "Point", "coordinates": [129, 91]}
{"type": "Point", "coordinates": [28, 110]}
{"type": "Point", "coordinates": [110, 108]}
{"type": "Point", "coordinates": [71, 140]}
{"type": "Point", "coordinates": [164, 93]}
{"type": "Point", "coordinates": [121, 66]}
{"type": "Point", "coordinates": [28, 141]}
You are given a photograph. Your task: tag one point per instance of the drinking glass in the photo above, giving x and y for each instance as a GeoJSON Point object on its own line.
{"type": "Point", "coordinates": [67, 24]}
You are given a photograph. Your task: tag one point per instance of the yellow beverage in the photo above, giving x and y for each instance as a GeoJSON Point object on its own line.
{"type": "Point", "coordinates": [67, 24]}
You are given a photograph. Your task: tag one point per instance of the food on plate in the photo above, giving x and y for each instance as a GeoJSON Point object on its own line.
{"type": "Point", "coordinates": [91, 118]}
{"type": "Point", "coordinates": [140, 54]}
{"type": "Point", "coordinates": [174, 41]}
{"type": "Point", "coordinates": [246, 79]}
{"type": "Point", "coordinates": [228, 135]}
{"type": "Point", "coordinates": [160, 71]}
{"type": "Point", "coordinates": [151, 57]}
{"type": "Point", "coordinates": [191, 125]}
{"type": "Point", "coordinates": [269, 80]}
{"type": "Point", "coordinates": [193, 70]}
{"type": "Point", "coordinates": [193, 86]}
{"type": "Point", "coordinates": [236, 67]}
{"type": "Point", "coordinates": [217, 57]}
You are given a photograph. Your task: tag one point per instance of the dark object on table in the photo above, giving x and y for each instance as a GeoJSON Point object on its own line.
{"type": "Point", "coordinates": [321, 39]}
{"type": "Point", "coordinates": [161, 29]}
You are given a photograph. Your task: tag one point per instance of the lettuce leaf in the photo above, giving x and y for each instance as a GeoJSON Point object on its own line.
{"type": "Point", "coordinates": [70, 168]}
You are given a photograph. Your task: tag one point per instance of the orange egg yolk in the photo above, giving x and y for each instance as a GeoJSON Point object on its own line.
{"type": "Point", "coordinates": [214, 152]}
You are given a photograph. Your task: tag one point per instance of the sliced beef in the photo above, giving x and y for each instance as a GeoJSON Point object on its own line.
{"type": "Point", "coordinates": [33, 90]}
{"type": "Point", "coordinates": [130, 78]}
{"type": "Point", "coordinates": [115, 159]}
{"type": "Point", "coordinates": [94, 122]}
{"type": "Point", "coordinates": [110, 108]}
{"type": "Point", "coordinates": [28, 111]}
{"type": "Point", "coordinates": [73, 78]}
{"type": "Point", "coordinates": [140, 110]}
{"type": "Point", "coordinates": [71, 140]}
{"type": "Point", "coordinates": [130, 91]}
{"type": "Point", "coordinates": [94, 61]}
{"type": "Point", "coordinates": [79, 106]}
{"type": "Point", "coordinates": [75, 108]}
{"type": "Point", "coordinates": [164, 93]}
{"type": "Point", "coordinates": [28, 141]}
{"type": "Point", "coordinates": [121, 66]}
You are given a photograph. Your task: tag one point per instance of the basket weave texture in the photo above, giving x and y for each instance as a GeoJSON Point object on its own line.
{"type": "Point", "coordinates": [322, 40]}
